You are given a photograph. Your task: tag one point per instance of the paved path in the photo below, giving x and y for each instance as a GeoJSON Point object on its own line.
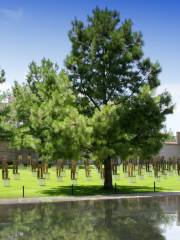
{"type": "Point", "coordinates": [84, 198]}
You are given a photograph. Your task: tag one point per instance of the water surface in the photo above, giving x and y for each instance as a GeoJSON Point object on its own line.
{"type": "Point", "coordinates": [156, 218]}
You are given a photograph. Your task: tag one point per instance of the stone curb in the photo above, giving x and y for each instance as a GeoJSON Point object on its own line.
{"type": "Point", "coordinates": [84, 198]}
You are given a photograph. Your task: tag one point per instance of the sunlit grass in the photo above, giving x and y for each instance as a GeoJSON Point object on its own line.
{"type": "Point", "coordinates": [91, 186]}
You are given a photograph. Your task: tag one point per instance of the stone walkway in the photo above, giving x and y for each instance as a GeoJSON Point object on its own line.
{"type": "Point", "coordinates": [84, 198]}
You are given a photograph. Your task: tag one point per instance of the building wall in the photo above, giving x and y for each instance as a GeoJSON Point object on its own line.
{"type": "Point", "coordinates": [170, 150]}
{"type": "Point", "coordinates": [7, 152]}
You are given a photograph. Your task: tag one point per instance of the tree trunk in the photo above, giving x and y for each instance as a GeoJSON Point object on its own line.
{"type": "Point", "coordinates": [107, 173]}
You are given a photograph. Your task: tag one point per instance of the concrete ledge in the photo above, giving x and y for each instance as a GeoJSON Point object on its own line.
{"type": "Point", "coordinates": [84, 198]}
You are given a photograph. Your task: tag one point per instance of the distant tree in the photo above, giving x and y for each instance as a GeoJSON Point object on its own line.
{"type": "Point", "coordinates": [2, 76]}
{"type": "Point", "coordinates": [5, 133]}
{"type": "Point", "coordinates": [170, 137]}
{"type": "Point", "coordinates": [108, 72]}
{"type": "Point", "coordinates": [44, 114]}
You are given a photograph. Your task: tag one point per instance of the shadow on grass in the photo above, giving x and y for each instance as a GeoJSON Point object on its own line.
{"type": "Point", "coordinates": [96, 190]}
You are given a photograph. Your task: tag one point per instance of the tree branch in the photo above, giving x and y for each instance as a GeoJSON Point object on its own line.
{"type": "Point", "coordinates": [128, 97]}
{"type": "Point", "coordinates": [90, 98]}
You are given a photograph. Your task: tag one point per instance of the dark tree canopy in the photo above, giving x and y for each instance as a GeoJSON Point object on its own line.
{"type": "Point", "coordinates": [143, 121]}
{"type": "Point", "coordinates": [106, 62]}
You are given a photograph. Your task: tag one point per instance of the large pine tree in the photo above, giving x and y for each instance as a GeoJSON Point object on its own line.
{"type": "Point", "coordinates": [109, 72]}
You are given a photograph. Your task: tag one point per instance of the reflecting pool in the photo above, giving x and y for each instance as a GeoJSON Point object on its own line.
{"type": "Point", "coordinates": [154, 218]}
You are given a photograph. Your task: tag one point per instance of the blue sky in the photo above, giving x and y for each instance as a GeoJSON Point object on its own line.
{"type": "Point", "coordinates": [34, 29]}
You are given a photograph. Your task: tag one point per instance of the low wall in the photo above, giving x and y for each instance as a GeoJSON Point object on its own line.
{"type": "Point", "coordinates": [9, 153]}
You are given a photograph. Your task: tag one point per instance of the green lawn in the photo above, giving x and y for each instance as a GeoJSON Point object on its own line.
{"type": "Point", "coordinates": [84, 186]}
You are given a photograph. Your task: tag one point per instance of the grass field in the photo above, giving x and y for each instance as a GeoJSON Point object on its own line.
{"type": "Point", "coordinates": [92, 186]}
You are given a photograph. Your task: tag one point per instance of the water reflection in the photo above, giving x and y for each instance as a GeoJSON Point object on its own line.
{"type": "Point", "coordinates": [131, 219]}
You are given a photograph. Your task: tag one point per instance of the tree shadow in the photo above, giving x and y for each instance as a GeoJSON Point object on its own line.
{"type": "Point", "coordinates": [137, 189]}
{"type": "Point", "coordinates": [96, 190]}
